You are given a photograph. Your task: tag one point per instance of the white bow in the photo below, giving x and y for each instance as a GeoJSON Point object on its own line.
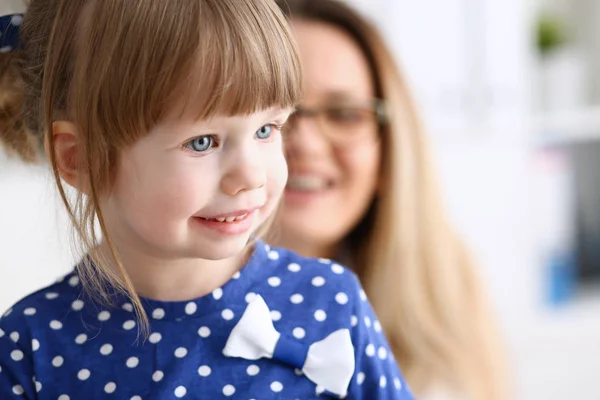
{"type": "Point", "coordinates": [328, 363]}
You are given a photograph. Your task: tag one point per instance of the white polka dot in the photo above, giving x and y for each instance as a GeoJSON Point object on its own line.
{"type": "Point", "coordinates": [110, 387]}
{"type": "Point", "coordinates": [293, 267]}
{"type": "Point", "coordinates": [204, 332]}
{"type": "Point", "coordinates": [127, 307]}
{"type": "Point", "coordinates": [253, 370]}
{"type": "Point", "coordinates": [267, 248]}
{"type": "Point", "coordinates": [56, 325]}
{"type": "Point", "coordinates": [51, 295]}
{"type": "Point", "coordinates": [337, 269]}
{"type": "Point", "coordinates": [370, 350]}
{"type": "Point", "coordinates": [157, 376]}
{"type": "Point", "coordinates": [250, 297]}
{"type": "Point", "coordinates": [397, 383]}
{"type": "Point", "coordinates": [353, 320]}
{"type": "Point", "coordinates": [382, 353]}
{"type": "Point", "coordinates": [377, 326]}
{"type": "Point", "coordinates": [35, 345]}
{"type": "Point", "coordinates": [16, 355]}
{"type": "Point", "coordinates": [228, 390]}
{"type": "Point", "coordinates": [81, 339]}
{"type": "Point", "coordinates": [383, 381]}
{"type": "Point", "coordinates": [77, 305]}
{"type": "Point", "coordinates": [129, 325]}
{"type": "Point", "coordinates": [132, 362]}
{"type": "Point", "coordinates": [204, 371]}
{"type": "Point", "coordinates": [64, 397]}
{"type": "Point", "coordinates": [318, 281]}
{"type": "Point", "coordinates": [236, 275]}
{"type": "Point", "coordinates": [274, 281]}
{"type": "Point", "coordinates": [324, 260]}
{"type": "Point", "coordinates": [74, 281]}
{"type": "Point", "coordinates": [275, 315]}
{"type": "Point", "coordinates": [298, 371]}
{"type": "Point", "coordinates": [297, 298]}
{"type": "Point", "coordinates": [14, 337]}
{"type": "Point", "coordinates": [83, 374]}
{"type": "Point", "coordinates": [217, 293]}
{"type": "Point", "coordinates": [360, 378]}
{"type": "Point", "coordinates": [106, 349]}
{"type": "Point", "coordinates": [227, 314]}
{"type": "Point", "coordinates": [341, 298]}
{"type": "Point", "coordinates": [158, 313]}
{"type": "Point", "coordinates": [273, 255]}
{"type": "Point", "coordinates": [155, 338]}
{"type": "Point", "coordinates": [29, 311]}
{"type": "Point", "coordinates": [368, 322]}
{"type": "Point", "coordinates": [319, 390]}
{"type": "Point", "coordinates": [181, 352]}
{"type": "Point", "coordinates": [320, 315]}
{"type": "Point", "coordinates": [58, 361]}
{"type": "Point", "coordinates": [299, 333]}
{"type": "Point", "coordinates": [16, 20]}
{"type": "Point", "coordinates": [103, 316]}
{"type": "Point", "coordinates": [180, 391]}
{"type": "Point", "coordinates": [18, 390]}
{"type": "Point", "coordinates": [363, 295]}
{"type": "Point", "coordinates": [190, 308]}
{"type": "Point", "coordinates": [276, 387]}
{"type": "Point", "coordinates": [1, 333]}
{"type": "Point", "coordinates": [136, 398]}
{"type": "Point", "coordinates": [38, 386]}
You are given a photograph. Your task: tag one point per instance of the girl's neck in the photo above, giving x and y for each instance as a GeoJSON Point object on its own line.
{"type": "Point", "coordinates": [176, 279]}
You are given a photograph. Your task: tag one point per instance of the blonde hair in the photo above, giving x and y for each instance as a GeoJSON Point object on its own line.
{"type": "Point", "coordinates": [416, 271]}
{"type": "Point", "coordinates": [116, 67]}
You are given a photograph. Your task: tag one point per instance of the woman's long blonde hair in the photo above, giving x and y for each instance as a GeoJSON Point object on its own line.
{"type": "Point", "coordinates": [416, 271]}
{"type": "Point", "coordinates": [115, 68]}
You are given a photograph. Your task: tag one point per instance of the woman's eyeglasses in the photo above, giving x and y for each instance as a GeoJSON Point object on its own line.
{"type": "Point", "coordinates": [345, 122]}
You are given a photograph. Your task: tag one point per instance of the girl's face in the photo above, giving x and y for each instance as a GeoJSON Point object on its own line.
{"type": "Point", "coordinates": [333, 148]}
{"type": "Point", "coordinates": [194, 189]}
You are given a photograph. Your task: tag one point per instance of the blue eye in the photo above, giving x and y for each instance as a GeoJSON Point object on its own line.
{"type": "Point", "coordinates": [200, 144]}
{"type": "Point", "coordinates": [264, 132]}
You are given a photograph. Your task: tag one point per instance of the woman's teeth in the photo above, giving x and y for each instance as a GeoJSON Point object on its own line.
{"type": "Point", "coordinates": [227, 219]}
{"type": "Point", "coordinates": [306, 182]}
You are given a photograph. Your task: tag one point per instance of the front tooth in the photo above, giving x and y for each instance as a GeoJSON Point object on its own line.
{"type": "Point", "coordinates": [230, 219]}
{"type": "Point", "coordinates": [240, 217]}
{"type": "Point", "coordinates": [220, 219]}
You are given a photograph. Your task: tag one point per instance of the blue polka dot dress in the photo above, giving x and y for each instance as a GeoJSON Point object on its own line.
{"type": "Point", "coordinates": [58, 344]}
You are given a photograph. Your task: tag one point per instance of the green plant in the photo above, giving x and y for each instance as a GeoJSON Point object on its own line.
{"type": "Point", "coordinates": [551, 33]}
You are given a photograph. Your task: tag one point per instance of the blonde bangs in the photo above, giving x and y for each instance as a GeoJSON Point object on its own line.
{"type": "Point", "coordinates": [222, 57]}
{"type": "Point", "coordinates": [245, 61]}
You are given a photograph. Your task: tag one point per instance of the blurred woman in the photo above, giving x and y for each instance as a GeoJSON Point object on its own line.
{"type": "Point", "coordinates": [362, 191]}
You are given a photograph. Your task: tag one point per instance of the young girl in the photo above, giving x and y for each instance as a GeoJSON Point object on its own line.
{"type": "Point", "coordinates": [165, 118]}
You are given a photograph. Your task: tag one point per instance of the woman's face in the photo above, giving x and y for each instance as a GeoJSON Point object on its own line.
{"type": "Point", "coordinates": [332, 144]}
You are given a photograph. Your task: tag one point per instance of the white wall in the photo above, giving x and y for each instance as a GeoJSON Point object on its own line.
{"type": "Point", "coordinates": [34, 239]}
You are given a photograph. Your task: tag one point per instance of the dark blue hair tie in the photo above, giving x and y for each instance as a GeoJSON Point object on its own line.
{"type": "Point", "coordinates": [9, 32]}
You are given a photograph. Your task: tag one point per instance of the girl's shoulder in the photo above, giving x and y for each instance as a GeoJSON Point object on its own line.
{"type": "Point", "coordinates": [56, 299]}
{"type": "Point", "coordinates": [316, 276]}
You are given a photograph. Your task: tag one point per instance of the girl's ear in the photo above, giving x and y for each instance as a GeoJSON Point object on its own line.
{"type": "Point", "coordinates": [68, 152]}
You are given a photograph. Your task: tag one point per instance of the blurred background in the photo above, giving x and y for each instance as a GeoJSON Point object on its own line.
{"type": "Point", "coordinates": [510, 93]}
